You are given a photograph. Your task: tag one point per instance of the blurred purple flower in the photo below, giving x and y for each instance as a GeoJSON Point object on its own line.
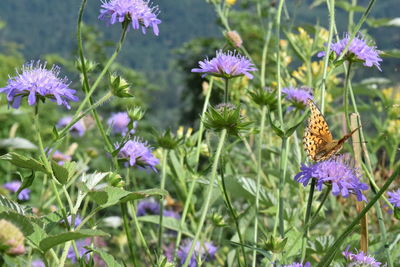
{"type": "Point", "coordinates": [138, 153]}
{"type": "Point", "coordinates": [298, 96]}
{"type": "Point", "coordinates": [78, 129]}
{"type": "Point", "coordinates": [205, 252]}
{"type": "Point", "coordinates": [37, 82]}
{"type": "Point", "coordinates": [227, 65]}
{"type": "Point", "coordinates": [336, 171]}
{"type": "Point", "coordinates": [59, 157]}
{"type": "Point", "coordinates": [139, 12]}
{"type": "Point", "coordinates": [78, 220]}
{"type": "Point", "coordinates": [394, 198]}
{"type": "Point", "coordinates": [120, 122]}
{"type": "Point", "coordinates": [171, 213]}
{"type": "Point", "coordinates": [37, 263]}
{"type": "Point", "coordinates": [145, 207]}
{"type": "Point", "coordinates": [360, 259]}
{"type": "Point", "coordinates": [358, 48]}
{"type": "Point", "coordinates": [80, 244]}
{"type": "Point", "coordinates": [298, 264]}
{"type": "Point", "coordinates": [13, 186]}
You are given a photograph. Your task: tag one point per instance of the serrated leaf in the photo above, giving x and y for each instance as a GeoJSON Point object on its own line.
{"type": "Point", "coordinates": [17, 143]}
{"type": "Point", "coordinates": [58, 239]}
{"type": "Point", "coordinates": [168, 222]}
{"type": "Point", "coordinates": [90, 181]}
{"type": "Point", "coordinates": [60, 173]}
{"type": "Point", "coordinates": [24, 162]}
{"type": "Point", "coordinates": [107, 258]}
{"type": "Point", "coordinates": [9, 205]}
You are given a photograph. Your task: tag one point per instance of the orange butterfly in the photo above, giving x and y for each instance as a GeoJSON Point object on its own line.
{"type": "Point", "coordinates": [318, 141]}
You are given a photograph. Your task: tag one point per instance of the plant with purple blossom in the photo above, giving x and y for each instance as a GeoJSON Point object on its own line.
{"type": "Point", "coordinates": [204, 252]}
{"type": "Point", "coordinates": [298, 264]}
{"type": "Point", "coordinates": [138, 153]}
{"type": "Point", "coordinates": [360, 259]}
{"type": "Point", "coordinates": [78, 129]}
{"type": "Point", "coordinates": [394, 198]}
{"type": "Point", "coordinates": [13, 187]}
{"type": "Point", "coordinates": [298, 96]}
{"type": "Point", "coordinates": [121, 123]}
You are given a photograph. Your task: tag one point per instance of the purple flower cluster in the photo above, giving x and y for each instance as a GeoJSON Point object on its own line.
{"type": "Point", "coordinates": [206, 252]}
{"type": "Point", "coordinates": [360, 259]}
{"type": "Point", "coordinates": [13, 187]}
{"type": "Point", "coordinates": [227, 65]}
{"type": "Point", "coordinates": [78, 129]}
{"type": "Point", "coordinates": [59, 157]}
{"type": "Point", "coordinates": [120, 122]}
{"type": "Point", "coordinates": [298, 95]}
{"type": "Point", "coordinates": [394, 198]}
{"type": "Point", "coordinates": [336, 171]}
{"type": "Point", "coordinates": [38, 83]}
{"type": "Point", "coordinates": [139, 12]}
{"type": "Point", "coordinates": [358, 48]}
{"type": "Point", "coordinates": [298, 264]}
{"type": "Point", "coordinates": [138, 153]}
{"type": "Point", "coordinates": [145, 207]}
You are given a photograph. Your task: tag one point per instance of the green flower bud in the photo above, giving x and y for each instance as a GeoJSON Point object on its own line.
{"type": "Point", "coordinates": [218, 220]}
{"type": "Point", "coordinates": [265, 97]}
{"type": "Point", "coordinates": [276, 245]}
{"type": "Point", "coordinates": [119, 86]}
{"type": "Point", "coordinates": [11, 239]}
{"type": "Point", "coordinates": [136, 114]}
{"type": "Point", "coordinates": [167, 140]}
{"type": "Point", "coordinates": [114, 179]}
{"type": "Point", "coordinates": [89, 65]}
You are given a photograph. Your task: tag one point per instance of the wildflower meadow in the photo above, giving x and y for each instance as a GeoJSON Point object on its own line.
{"type": "Point", "coordinates": [283, 152]}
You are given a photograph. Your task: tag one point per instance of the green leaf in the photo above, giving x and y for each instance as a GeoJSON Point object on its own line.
{"type": "Point", "coordinates": [377, 23]}
{"type": "Point", "coordinates": [37, 235]}
{"type": "Point", "coordinates": [349, 7]}
{"type": "Point", "coordinates": [90, 181]}
{"type": "Point", "coordinates": [24, 162]}
{"type": "Point", "coordinates": [58, 239]}
{"type": "Point", "coordinates": [59, 172]}
{"type": "Point", "coordinates": [168, 222]}
{"type": "Point", "coordinates": [26, 182]}
{"type": "Point", "coordinates": [277, 130]}
{"type": "Point", "coordinates": [107, 258]}
{"type": "Point", "coordinates": [17, 143]}
{"type": "Point", "coordinates": [9, 205]}
{"type": "Point", "coordinates": [110, 196]}
{"type": "Point", "coordinates": [55, 133]}
{"type": "Point", "coordinates": [394, 53]}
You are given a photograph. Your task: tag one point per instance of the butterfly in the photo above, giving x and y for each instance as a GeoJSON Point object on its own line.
{"type": "Point", "coordinates": [318, 141]}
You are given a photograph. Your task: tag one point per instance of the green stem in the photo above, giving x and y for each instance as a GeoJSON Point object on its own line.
{"type": "Point", "coordinates": [128, 232]}
{"type": "Point", "coordinates": [278, 60]}
{"type": "Point", "coordinates": [208, 197]}
{"type": "Point", "coordinates": [307, 218]}
{"type": "Point", "coordinates": [259, 169]}
{"type": "Point", "coordinates": [197, 158]}
{"type": "Point", "coordinates": [226, 91]}
{"type": "Point", "coordinates": [351, 16]}
{"type": "Point", "coordinates": [233, 215]}
{"type": "Point", "coordinates": [326, 260]}
{"type": "Point", "coordinates": [346, 96]}
{"type": "Point", "coordinates": [264, 55]}
{"type": "Point", "coordinates": [162, 186]}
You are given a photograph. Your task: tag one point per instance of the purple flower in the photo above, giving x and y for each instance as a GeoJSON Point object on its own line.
{"type": "Point", "coordinates": [227, 65]}
{"type": "Point", "coordinates": [59, 157]}
{"type": "Point", "coordinates": [78, 220]}
{"type": "Point", "coordinates": [336, 171]}
{"type": "Point", "coordinates": [138, 153]}
{"type": "Point", "coordinates": [172, 214]}
{"type": "Point", "coordinates": [298, 96]}
{"type": "Point", "coordinates": [358, 48]}
{"type": "Point", "coordinates": [298, 264]}
{"type": "Point", "coordinates": [37, 82]}
{"type": "Point", "coordinates": [147, 207]}
{"type": "Point", "coordinates": [13, 186]}
{"type": "Point", "coordinates": [78, 129]}
{"type": "Point", "coordinates": [138, 12]}
{"type": "Point", "coordinates": [360, 259]}
{"type": "Point", "coordinates": [80, 244]}
{"type": "Point", "coordinates": [37, 263]}
{"type": "Point", "coordinates": [120, 122]}
{"type": "Point", "coordinates": [206, 252]}
{"type": "Point", "coordinates": [394, 198]}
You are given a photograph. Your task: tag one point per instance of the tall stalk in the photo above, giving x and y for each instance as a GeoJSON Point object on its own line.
{"type": "Point", "coordinates": [306, 220]}
{"type": "Point", "coordinates": [208, 196]}
{"type": "Point", "coordinates": [162, 186]}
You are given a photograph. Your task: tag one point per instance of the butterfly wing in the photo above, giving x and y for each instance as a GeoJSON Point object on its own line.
{"type": "Point", "coordinates": [317, 135]}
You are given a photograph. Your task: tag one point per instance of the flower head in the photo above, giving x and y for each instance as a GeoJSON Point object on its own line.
{"type": "Point", "coordinates": [394, 198]}
{"type": "Point", "coordinates": [120, 122]}
{"type": "Point", "coordinates": [206, 252]}
{"type": "Point", "coordinates": [298, 96]}
{"type": "Point", "coordinates": [298, 264]}
{"type": "Point", "coordinates": [138, 153]}
{"type": "Point", "coordinates": [360, 259]}
{"type": "Point", "coordinates": [227, 65]}
{"type": "Point", "coordinates": [13, 186]}
{"type": "Point", "coordinates": [80, 244]}
{"type": "Point", "coordinates": [139, 13]}
{"type": "Point", "coordinates": [38, 83]}
{"type": "Point", "coordinates": [234, 38]}
{"type": "Point", "coordinates": [11, 238]}
{"type": "Point", "coordinates": [336, 171]}
{"type": "Point", "coordinates": [37, 263]}
{"type": "Point", "coordinates": [359, 49]}
{"type": "Point", "coordinates": [78, 220]}
{"type": "Point", "coordinates": [147, 207]}
{"type": "Point", "coordinates": [59, 157]}
{"type": "Point", "coordinates": [78, 129]}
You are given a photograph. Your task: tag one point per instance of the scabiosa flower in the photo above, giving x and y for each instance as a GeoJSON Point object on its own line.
{"type": "Point", "coordinates": [38, 83]}
{"type": "Point", "coordinates": [80, 244]}
{"type": "Point", "coordinates": [344, 178]}
{"type": "Point", "coordinates": [226, 65]}
{"type": "Point", "coordinates": [298, 96]}
{"type": "Point", "coordinates": [147, 207]}
{"type": "Point", "coordinates": [13, 186]}
{"type": "Point", "coordinates": [358, 49]}
{"type": "Point", "coordinates": [78, 129]}
{"type": "Point", "coordinates": [120, 122]}
{"type": "Point", "coordinates": [394, 198]}
{"type": "Point", "coordinates": [140, 13]}
{"type": "Point", "coordinates": [206, 252]}
{"type": "Point", "coordinates": [78, 220]}
{"type": "Point", "coordinates": [360, 259]}
{"type": "Point", "coordinates": [59, 157]}
{"type": "Point", "coordinates": [138, 153]}
{"type": "Point", "coordinates": [298, 264]}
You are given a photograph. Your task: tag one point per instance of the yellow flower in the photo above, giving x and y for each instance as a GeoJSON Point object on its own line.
{"type": "Point", "coordinates": [230, 2]}
{"type": "Point", "coordinates": [394, 127]}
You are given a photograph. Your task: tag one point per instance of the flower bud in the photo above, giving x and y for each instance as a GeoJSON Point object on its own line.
{"type": "Point", "coordinates": [11, 238]}
{"type": "Point", "coordinates": [119, 86]}
{"type": "Point", "coordinates": [234, 38]}
{"type": "Point", "coordinates": [136, 114]}
{"type": "Point", "coordinates": [230, 2]}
